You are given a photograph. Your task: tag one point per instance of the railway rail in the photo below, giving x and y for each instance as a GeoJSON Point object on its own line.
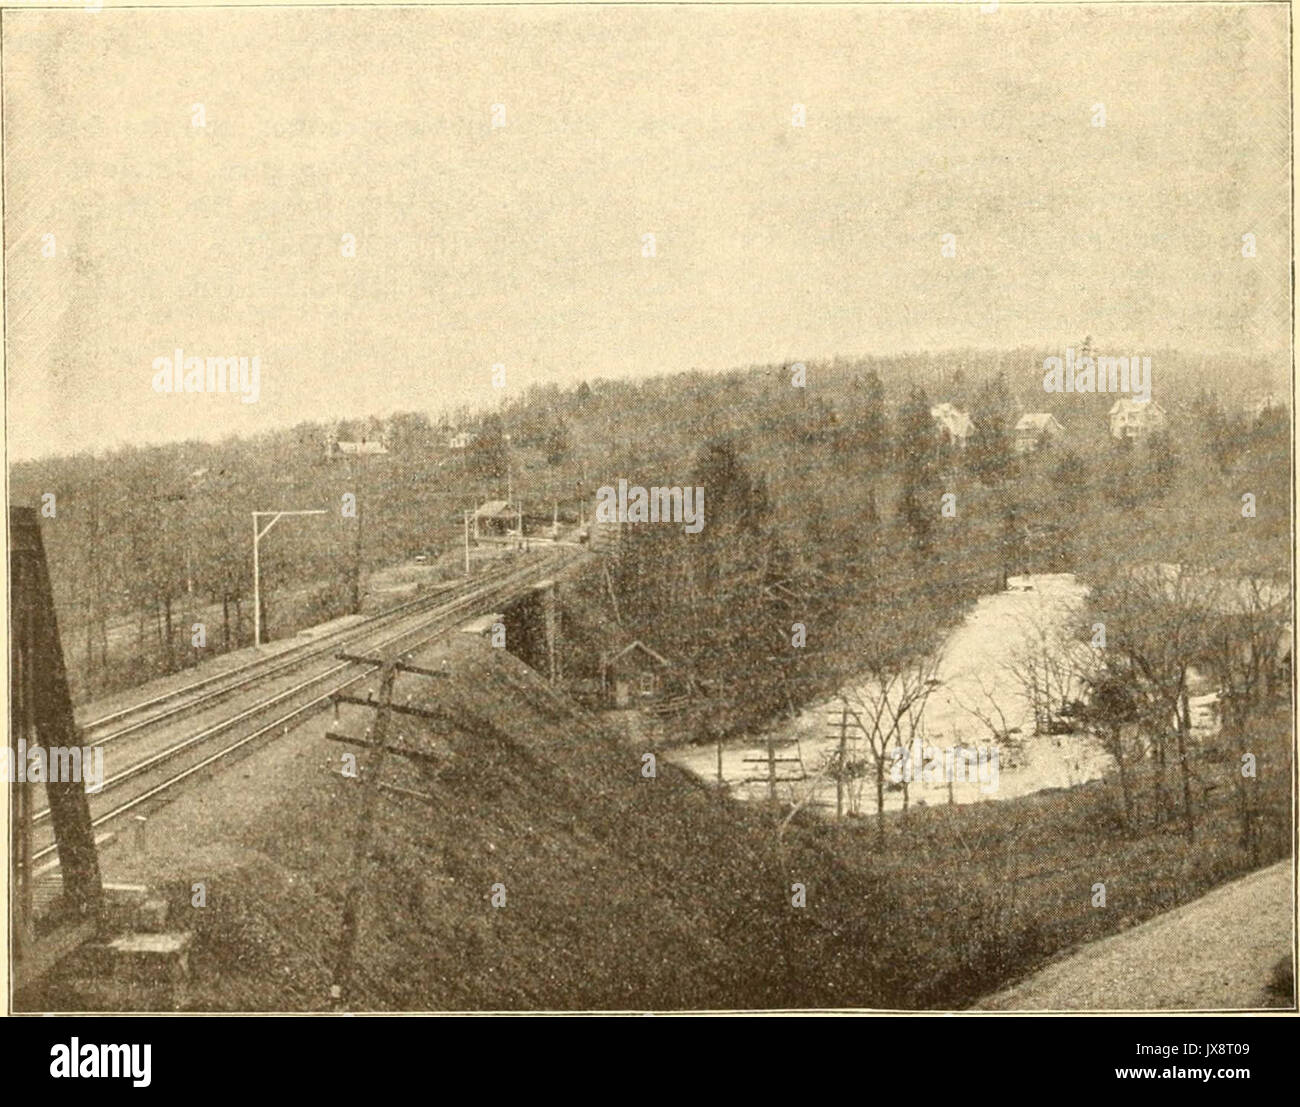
{"type": "Point", "coordinates": [179, 701]}
{"type": "Point", "coordinates": [162, 770]}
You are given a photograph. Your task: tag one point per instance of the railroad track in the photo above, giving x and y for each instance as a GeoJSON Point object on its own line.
{"type": "Point", "coordinates": [158, 771]}
{"type": "Point", "coordinates": [181, 701]}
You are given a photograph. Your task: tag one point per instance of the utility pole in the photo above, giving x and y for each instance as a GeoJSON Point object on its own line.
{"type": "Point", "coordinates": [466, 515]}
{"type": "Point", "coordinates": [358, 477]}
{"type": "Point", "coordinates": [195, 484]}
{"type": "Point", "coordinates": [509, 483]}
{"type": "Point", "coordinates": [40, 714]}
{"type": "Point", "coordinates": [359, 451]}
{"type": "Point", "coordinates": [258, 535]}
{"type": "Point", "coordinates": [949, 772]}
{"type": "Point", "coordinates": [843, 759]}
{"type": "Point", "coordinates": [382, 745]}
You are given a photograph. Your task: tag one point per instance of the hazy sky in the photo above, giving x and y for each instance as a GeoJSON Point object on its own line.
{"type": "Point", "coordinates": [522, 244]}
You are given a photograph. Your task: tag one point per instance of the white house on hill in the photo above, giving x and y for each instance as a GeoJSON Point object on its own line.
{"type": "Point", "coordinates": [335, 448]}
{"type": "Point", "coordinates": [1034, 428]}
{"type": "Point", "coordinates": [1133, 418]}
{"type": "Point", "coordinates": [954, 426]}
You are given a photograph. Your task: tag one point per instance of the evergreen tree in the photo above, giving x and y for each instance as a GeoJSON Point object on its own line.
{"type": "Point", "coordinates": [873, 426]}
{"type": "Point", "coordinates": [918, 451]}
{"type": "Point", "coordinates": [917, 515]}
{"type": "Point", "coordinates": [1163, 459]}
{"type": "Point", "coordinates": [487, 456]}
{"type": "Point", "coordinates": [557, 442]}
{"type": "Point", "coordinates": [1222, 435]}
{"type": "Point", "coordinates": [990, 454]}
{"type": "Point", "coordinates": [917, 445]}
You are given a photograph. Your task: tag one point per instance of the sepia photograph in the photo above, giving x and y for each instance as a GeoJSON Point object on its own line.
{"type": "Point", "coordinates": [650, 508]}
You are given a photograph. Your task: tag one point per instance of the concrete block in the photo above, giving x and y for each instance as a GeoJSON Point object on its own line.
{"type": "Point", "coordinates": [149, 958]}
{"type": "Point", "coordinates": [119, 905]}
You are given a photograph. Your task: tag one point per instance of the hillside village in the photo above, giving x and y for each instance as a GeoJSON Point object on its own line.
{"type": "Point", "coordinates": [829, 512]}
{"type": "Point", "coordinates": [642, 508]}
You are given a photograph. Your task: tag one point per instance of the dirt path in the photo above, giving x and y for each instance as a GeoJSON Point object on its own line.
{"type": "Point", "coordinates": [1215, 953]}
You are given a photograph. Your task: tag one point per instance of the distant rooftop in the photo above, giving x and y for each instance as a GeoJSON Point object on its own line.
{"type": "Point", "coordinates": [357, 448]}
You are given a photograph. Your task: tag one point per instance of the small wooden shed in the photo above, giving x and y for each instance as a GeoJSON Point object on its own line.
{"type": "Point", "coordinates": [633, 674]}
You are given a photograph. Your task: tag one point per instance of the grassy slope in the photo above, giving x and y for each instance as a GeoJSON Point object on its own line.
{"type": "Point", "coordinates": [624, 892]}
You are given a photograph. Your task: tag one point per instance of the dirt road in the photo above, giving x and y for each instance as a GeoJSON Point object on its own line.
{"type": "Point", "coordinates": [1215, 953]}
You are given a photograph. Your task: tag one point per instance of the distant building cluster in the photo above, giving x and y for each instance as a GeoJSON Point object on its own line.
{"type": "Point", "coordinates": [1129, 419]}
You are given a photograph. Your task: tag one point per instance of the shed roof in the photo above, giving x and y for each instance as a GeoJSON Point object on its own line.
{"type": "Point", "coordinates": [637, 645]}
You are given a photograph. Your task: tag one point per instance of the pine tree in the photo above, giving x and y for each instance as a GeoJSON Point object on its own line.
{"type": "Point", "coordinates": [488, 460]}
{"type": "Point", "coordinates": [557, 442]}
{"type": "Point", "coordinates": [991, 455]}
{"type": "Point", "coordinates": [1163, 459]}
{"type": "Point", "coordinates": [918, 455]}
{"type": "Point", "coordinates": [917, 445]}
{"type": "Point", "coordinates": [873, 429]}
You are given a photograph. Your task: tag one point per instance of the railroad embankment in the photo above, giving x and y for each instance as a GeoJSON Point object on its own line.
{"type": "Point", "coordinates": [531, 861]}
{"type": "Point", "coordinates": [526, 859]}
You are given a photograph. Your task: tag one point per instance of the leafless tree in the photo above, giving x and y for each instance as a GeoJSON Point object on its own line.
{"type": "Point", "coordinates": [887, 705]}
{"type": "Point", "coordinates": [1155, 619]}
{"type": "Point", "coordinates": [1242, 651]}
{"type": "Point", "coordinates": [1048, 665]}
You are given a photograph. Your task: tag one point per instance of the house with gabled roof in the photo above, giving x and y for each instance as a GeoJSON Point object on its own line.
{"type": "Point", "coordinates": [1033, 429]}
{"type": "Point", "coordinates": [953, 425]}
{"type": "Point", "coordinates": [1130, 419]}
{"type": "Point", "coordinates": [634, 667]}
{"type": "Point", "coordinates": [494, 519]}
